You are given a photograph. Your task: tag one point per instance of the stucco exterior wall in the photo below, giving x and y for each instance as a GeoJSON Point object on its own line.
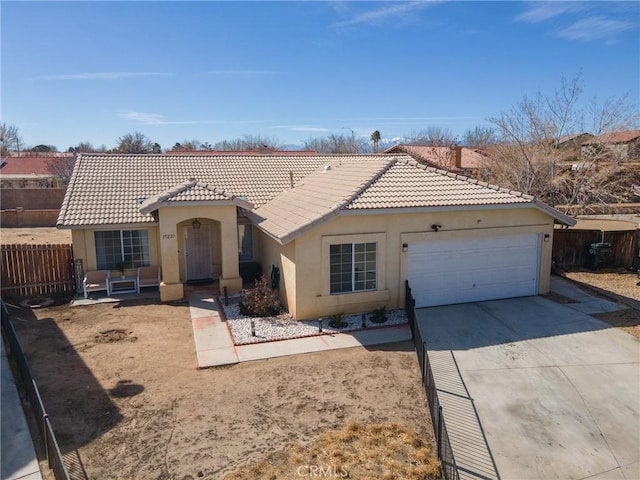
{"type": "Point", "coordinates": [84, 245]}
{"type": "Point", "coordinates": [172, 220]}
{"type": "Point", "coordinates": [269, 252]}
{"type": "Point", "coordinates": [312, 298]}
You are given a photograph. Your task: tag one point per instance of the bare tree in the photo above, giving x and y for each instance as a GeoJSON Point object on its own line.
{"type": "Point", "coordinates": [479, 137]}
{"type": "Point", "coordinates": [433, 136]}
{"type": "Point", "coordinates": [527, 156]}
{"type": "Point", "coordinates": [62, 167]}
{"type": "Point", "coordinates": [336, 143]}
{"type": "Point", "coordinates": [250, 143]}
{"type": "Point", "coordinates": [87, 147]}
{"type": "Point", "coordinates": [10, 140]}
{"type": "Point", "coordinates": [134, 143]}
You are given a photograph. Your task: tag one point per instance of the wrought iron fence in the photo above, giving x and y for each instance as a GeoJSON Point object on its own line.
{"type": "Point", "coordinates": [445, 453]}
{"type": "Point", "coordinates": [15, 351]}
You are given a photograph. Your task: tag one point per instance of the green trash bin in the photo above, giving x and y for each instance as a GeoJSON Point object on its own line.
{"type": "Point", "coordinates": [600, 255]}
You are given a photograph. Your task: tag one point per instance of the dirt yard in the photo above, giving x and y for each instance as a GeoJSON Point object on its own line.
{"type": "Point", "coordinates": [623, 285]}
{"type": "Point", "coordinates": [121, 385]}
{"type": "Point", "coordinates": [39, 235]}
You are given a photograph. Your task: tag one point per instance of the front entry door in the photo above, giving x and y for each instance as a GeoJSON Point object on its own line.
{"type": "Point", "coordinates": [197, 251]}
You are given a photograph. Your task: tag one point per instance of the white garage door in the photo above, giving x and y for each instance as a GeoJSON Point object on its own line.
{"type": "Point", "coordinates": [459, 271]}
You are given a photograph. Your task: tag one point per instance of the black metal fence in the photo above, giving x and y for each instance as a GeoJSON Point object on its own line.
{"type": "Point", "coordinates": [445, 453]}
{"type": "Point", "coordinates": [15, 351]}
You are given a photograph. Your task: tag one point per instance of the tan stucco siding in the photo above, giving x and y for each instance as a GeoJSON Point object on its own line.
{"type": "Point", "coordinates": [224, 235]}
{"type": "Point", "coordinates": [84, 244]}
{"type": "Point", "coordinates": [312, 263]}
{"type": "Point", "coordinates": [269, 252]}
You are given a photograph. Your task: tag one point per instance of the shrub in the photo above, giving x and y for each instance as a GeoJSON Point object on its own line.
{"type": "Point", "coordinates": [337, 321]}
{"type": "Point", "coordinates": [379, 315]}
{"type": "Point", "coordinates": [260, 301]}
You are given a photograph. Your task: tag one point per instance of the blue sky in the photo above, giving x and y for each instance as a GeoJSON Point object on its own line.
{"type": "Point", "coordinates": [93, 71]}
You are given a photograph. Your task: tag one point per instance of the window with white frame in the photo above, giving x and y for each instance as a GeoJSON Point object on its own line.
{"type": "Point", "coordinates": [352, 267]}
{"type": "Point", "coordinates": [115, 246]}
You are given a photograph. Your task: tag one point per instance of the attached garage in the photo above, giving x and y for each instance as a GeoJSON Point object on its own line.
{"type": "Point", "coordinates": [461, 270]}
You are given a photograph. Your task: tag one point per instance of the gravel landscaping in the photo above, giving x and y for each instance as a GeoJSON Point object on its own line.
{"type": "Point", "coordinates": [284, 326]}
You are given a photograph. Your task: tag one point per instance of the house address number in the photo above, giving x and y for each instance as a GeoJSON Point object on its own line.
{"type": "Point", "coordinates": [168, 235]}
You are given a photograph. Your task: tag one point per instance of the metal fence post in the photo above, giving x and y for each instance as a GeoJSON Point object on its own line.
{"type": "Point", "coordinates": [439, 434]}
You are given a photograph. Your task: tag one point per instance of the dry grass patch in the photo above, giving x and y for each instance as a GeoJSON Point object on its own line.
{"type": "Point", "coordinates": [358, 450]}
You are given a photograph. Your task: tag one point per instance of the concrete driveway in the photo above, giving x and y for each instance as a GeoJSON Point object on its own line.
{"type": "Point", "coordinates": [557, 392]}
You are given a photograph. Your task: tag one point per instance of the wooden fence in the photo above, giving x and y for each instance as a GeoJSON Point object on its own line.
{"type": "Point", "coordinates": [32, 270]}
{"type": "Point", "coordinates": [571, 247]}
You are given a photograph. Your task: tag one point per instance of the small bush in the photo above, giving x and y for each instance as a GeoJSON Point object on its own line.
{"type": "Point", "coordinates": [260, 301]}
{"type": "Point", "coordinates": [337, 321]}
{"type": "Point", "coordinates": [379, 315]}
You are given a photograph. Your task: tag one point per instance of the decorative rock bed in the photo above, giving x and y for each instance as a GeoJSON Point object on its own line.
{"type": "Point", "coordinates": [284, 326]}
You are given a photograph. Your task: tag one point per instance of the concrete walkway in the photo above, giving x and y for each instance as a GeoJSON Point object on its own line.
{"type": "Point", "coordinates": [555, 390]}
{"type": "Point", "coordinates": [17, 452]}
{"type": "Point", "coordinates": [215, 347]}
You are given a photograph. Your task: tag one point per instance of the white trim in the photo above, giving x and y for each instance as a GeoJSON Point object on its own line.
{"type": "Point", "coordinates": [379, 238]}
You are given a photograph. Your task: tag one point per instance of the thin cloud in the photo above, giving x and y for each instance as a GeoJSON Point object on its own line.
{"type": "Point", "coordinates": [377, 16]}
{"type": "Point", "coordinates": [145, 118]}
{"type": "Point", "coordinates": [541, 12]}
{"type": "Point", "coordinates": [101, 75]}
{"type": "Point", "coordinates": [594, 28]}
{"type": "Point", "coordinates": [302, 128]}
{"type": "Point", "coordinates": [241, 73]}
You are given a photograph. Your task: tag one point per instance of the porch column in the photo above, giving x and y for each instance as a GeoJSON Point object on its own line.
{"type": "Point", "coordinates": [171, 287]}
{"type": "Point", "coordinates": [230, 277]}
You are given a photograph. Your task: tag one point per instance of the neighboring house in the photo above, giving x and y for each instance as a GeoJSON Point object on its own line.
{"type": "Point", "coordinates": [242, 152]}
{"type": "Point", "coordinates": [34, 171]}
{"type": "Point", "coordinates": [462, 160]}
{"type": "Point", "coordinates": [345, 231]}
{"type": "Point", "coordinates": [573, 142]}
{"type": "Point", "coordinates": [32, 188]}
{"type": "Point", "coordinates": [618, 145]}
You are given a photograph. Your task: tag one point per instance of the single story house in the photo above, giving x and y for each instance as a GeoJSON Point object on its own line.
{"type": "Point", "coordinates": [456, 159]}
{"type": "Point", "coordinates": [573, 141]}
{"type": "Point", "coordinates": [345, 231]}
{"type": "Point", "coordinates": [619, 145]}
{"type": "Point", "coordinates": [34, 171]}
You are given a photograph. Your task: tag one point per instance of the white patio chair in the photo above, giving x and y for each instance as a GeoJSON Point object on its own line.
{"type": "Point", "coordinates": [148, 277]}
{"type": "Point", "coordinates": [96, 281]}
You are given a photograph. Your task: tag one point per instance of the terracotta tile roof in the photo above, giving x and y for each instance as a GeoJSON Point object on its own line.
{"type": "Point", "coordinates": [108, 189]}
{"type": "Point", "coordinates": [614, 137]}
{"type": "Point", "coordinates": [411, 184]}
{"type": "Point", "coordinates": [121, 189]}
{"type": "Point", "coordinates": [241, 152]}
{"type": "Point", "coordinates": [453, 158]}
{"type": "Point", "coordinates": [191, 191]}
{"type": "Point", "coordinates": [27, 166]}
{"type": "Point", "coordinates": [317, 197]}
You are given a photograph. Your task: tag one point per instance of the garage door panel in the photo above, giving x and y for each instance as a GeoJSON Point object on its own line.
{"type": "Point", "coordinates": [462, 270]}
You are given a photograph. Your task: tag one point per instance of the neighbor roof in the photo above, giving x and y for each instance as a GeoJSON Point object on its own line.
{"type": "Point", "coordinates": [123, 189]}
{"type": "Point", "coordinates": [614, 137]}
{"type": "Point", "coordinates": [26, 166]}
{"type": "Point", "coordinates": [441, 157]}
